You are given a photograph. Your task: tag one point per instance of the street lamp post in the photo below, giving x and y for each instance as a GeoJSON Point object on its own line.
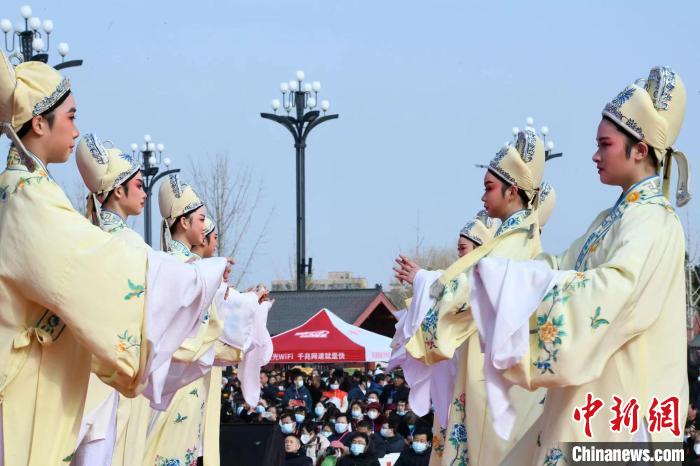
{"type": "Point", "coordinates": [30, 39]}
{"type": "Point", "coordinates": [297, 98]}
{"type": "Point", "coordinates": [549, 153]}
{"type": "Point", "coordinates": [151, 160]}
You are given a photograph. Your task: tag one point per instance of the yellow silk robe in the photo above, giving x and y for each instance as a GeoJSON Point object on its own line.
{"type": "Point", "coordinates": [613, 326]}
{"type": "Point", "coordinates": [67, 289]}
{"type": "Point", "coordinates": [131, 425]}
{"type": "Point", "coordinates": [448, 330]}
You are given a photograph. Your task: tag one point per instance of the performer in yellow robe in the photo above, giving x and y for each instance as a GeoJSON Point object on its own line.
{"type": "Point", "coordinates": [606, 329]}
{"type": "Point", "coordinates": [512, 184]}
{"type": "Point", "coordinates": [67, 289]}
{"type": "Point", "coordinates": [187, 429]}
{"type": "Point", "coordinates": [441, 446]}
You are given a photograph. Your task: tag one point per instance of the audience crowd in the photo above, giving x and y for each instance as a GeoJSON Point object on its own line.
{"type": "Point", "coordinates": [334, 418]}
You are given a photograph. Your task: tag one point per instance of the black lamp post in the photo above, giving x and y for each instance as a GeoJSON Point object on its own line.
{"type": "Point", "coordinates": [549, 153]}
{"type": "Point", "coordinates": [299, 98]}
{"type": "Point", "coordinates": [30, 36]}
{"type": "Point", "coordinates": [151, 160]}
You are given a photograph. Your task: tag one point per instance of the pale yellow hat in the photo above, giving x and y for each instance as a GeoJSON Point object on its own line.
{"type": "Point", "coordinates": [26, 91]}
{"type": "Point", "coordinates": [102, 169]}
{"type": "Point", "coordinates": [654, 114]}
{"type": "Point", "coordinates": [547, 202]}
{"type": "Point", "coordinates": [522, 163]}
{"type": "Point", "coordinates": [176, 198]}
{"type": "Point", "coordinates": [481, 229]}
{"type": "Point", "coordinates": [209, 225]}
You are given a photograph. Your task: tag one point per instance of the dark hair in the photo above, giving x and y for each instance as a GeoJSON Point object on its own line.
{"type": "Point", "coordinates": [48, 114]}
{"type": "Point", "coordinates": [630, 141]}
{"type": "Point", "coordinates": [423, 430]}
{"type": "Point", "coordinates": [186, 215]}
{"type": "Point", "coordinates": [392, 423]}
{"type": "Point", "coordinates": [379, 377]}
{"type": "Point", "coordinates": [356, 434]}
{"type": "Point", "coordinates": [521, 194]}
{"type": "Point", "coordinates": [341, 415]}
{"type": "Point", "coordinates": [364, 423]}
{"type": "Point", "coordinates": [125, 185]}
{"type": "Point", "coordinates": [299, 409]}
{"type": "Point", "coordinates": [309, 426]}
{"type": "Point", "coordinates": [285, 415]}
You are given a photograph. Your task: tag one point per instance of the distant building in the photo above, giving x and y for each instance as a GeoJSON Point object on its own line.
{"type": "Point", "coordinates": [368, 308]}
{"type": "Point", "coordinates": [335, 281]}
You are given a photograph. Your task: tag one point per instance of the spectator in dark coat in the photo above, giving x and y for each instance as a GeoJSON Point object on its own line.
{"type": "Point", "coordinates": [297, 394]}
{"type": "Point", "coordinates": [293, 454]}
{"type": "Point", "coordinates": [359, 454]}
{"type": "Point", "coordinates": [418, 454]}
{"type": "Point", "coordinates": [397, 391]}
{"type": "Point", "coordinates": [388, 441]}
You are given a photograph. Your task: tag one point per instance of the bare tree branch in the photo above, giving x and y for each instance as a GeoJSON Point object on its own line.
{"type": "Point", "coordinates": [233, 202]}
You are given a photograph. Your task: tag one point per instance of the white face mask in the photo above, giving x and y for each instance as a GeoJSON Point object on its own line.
{"type": "Point", "coordinates": [299, 383]}
{"type": "Point", "coordinates": [356, 413]}
{"type": "Point", "coordinates": [696, 448]}
{"type": "Point", "coordinates": [372, 400]}
{"type": "Point", "coordinates": [373, 414]}
{"type": "Point", "coordinates": [305, 438]}
{"type": "Point", "coordinates": [334, 386]}
{"type": "Point", "coordinates": [385, 433]}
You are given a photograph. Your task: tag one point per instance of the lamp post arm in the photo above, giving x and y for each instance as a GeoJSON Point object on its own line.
{"type": "Point", "coordinates": [317, 122]}
{"type": "Point", "coordinates": [284, 121]}
{"type": "Point", "coordinates": [68, 64]}
{"type": "Point", "coordinates": [550, 156]}
{"type": "Point", "coordinates": [159, 176]}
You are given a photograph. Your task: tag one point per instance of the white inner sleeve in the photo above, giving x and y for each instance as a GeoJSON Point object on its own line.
{"type": "Point", "coordinates": [504, 294]}
{"type": "Point", "coordinates": [177, 295]}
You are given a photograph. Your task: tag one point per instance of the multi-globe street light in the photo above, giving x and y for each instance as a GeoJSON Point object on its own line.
{"type": "Point", "coordinates": [300, 101]}
{"type": "Point", "coordinates": [28, 40]}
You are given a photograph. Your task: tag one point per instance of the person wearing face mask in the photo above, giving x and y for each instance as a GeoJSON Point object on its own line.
{"type": "Point", "coordinates": [299, 415]}
{"type": "Point", "coordinates": [294, 456]}
{"type": "Point", "coordinates": [314, 444]}
{"type": "Point", "coordinates": [297, 394]}
{"type": "Point", "coordinates": [337, 396]}
{"type": "Point", "coordinates": [360, 454]}
{"type": "Point", "coordinates": [272, 414]}
{"type": "Point", "coordinates": [327, 430]}
{"type": "Point", "coordinates": [287, 424]}
{"type": "Point", "coordinates": [373, 396]}
{"type": "Point", "coordinates": [418, 453]}
{"type": "Point", "coordinates": [319, 412]}
{"type": "Point", "coordinates": [356, 413]}
{"type": "Point", "coordinates": [375, 417]}
{"type": "Point", "coordinates": [395, 392]}
{"type": "Point", "coordinates": [400, 412]}
{"type": "Point", "coordinates": [408, 425]}
{"type": "Point", "coordinates": [341, 429]}
{"type": "Point", "coordinates": [377, 385]}
{"type": "Point", "coordinates": [388, 440]}
{"type": "Point", "coordinates": [359, 391]}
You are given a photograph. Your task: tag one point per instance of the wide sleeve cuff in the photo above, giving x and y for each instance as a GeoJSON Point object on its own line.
{"type": "Point", "coordinates": [505, 294]}
{"type": "Point", "coordinates": [177, 297]}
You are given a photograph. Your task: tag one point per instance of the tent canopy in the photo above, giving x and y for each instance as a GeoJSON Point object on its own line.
{"type": "Point", "coordinates": [326, 338]}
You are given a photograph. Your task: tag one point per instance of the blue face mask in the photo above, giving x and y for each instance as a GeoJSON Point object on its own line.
{"type": "Point", "coordinates": [357, 449]}
{"type": "Point", "coordinates": [299, 418]}
{"type": "Point", "coordinates": [259, 409]}
{"type": "Point", "coordinates": [239, 410]}
{"type": "Point", "coordinates": [411, 426]}
{"type": "Point", "coordinates": [287, 428]}
{"type": "Point", "coordinates": [419, 447]}
{"type": "Point", "coordinates": [326, 434]}
{"type": "Point", "coordinates": [320, 411]}
{"type": "Point", "coordinates": [340, 427]}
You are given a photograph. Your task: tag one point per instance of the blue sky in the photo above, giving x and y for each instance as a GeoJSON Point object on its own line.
{"type": "Point", "coordinates": [424, 91]}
